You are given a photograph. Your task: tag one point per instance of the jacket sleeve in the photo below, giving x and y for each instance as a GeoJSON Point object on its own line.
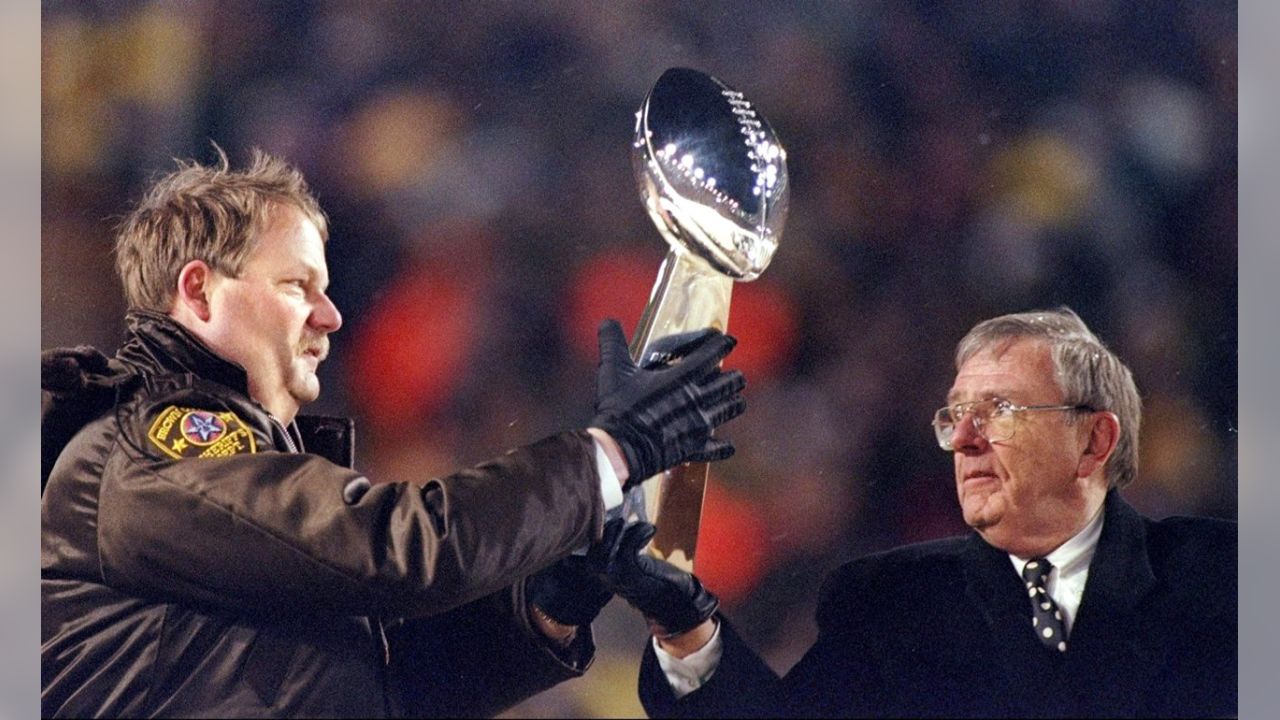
{"type": "Point", "coordinates": [741, 686]}
{"type": "Point", "coordinates": [479, 659]}
{"type": "Point", "coordinates": [837, 677]}
{"type": "Point", "coordinates": [271, 530]}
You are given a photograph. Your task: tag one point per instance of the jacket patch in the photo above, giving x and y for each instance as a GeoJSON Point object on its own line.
{"type": "Point", "coordinates": [191, 433]}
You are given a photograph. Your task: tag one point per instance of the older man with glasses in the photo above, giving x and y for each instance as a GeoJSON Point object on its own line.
{"type": "Point", "coordinates": [1064, 601]}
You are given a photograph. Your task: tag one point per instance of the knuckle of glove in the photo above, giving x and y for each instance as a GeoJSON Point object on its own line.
{"type": "Point", "coordinates": [677, 599]}
{"type": "Point", "coordinates": [698, 605]}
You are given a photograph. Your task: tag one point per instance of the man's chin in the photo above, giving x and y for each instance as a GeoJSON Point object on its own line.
{"type": "Point", "coordinates": [980, 511]}
{"type": "Point", "coordinates": [306, 391]}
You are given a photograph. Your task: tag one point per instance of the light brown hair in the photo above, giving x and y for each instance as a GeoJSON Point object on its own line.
{"type": "Point", "coordinates": [208, 213]}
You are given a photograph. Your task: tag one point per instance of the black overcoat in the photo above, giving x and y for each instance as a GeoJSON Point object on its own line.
{"type": "Point", "coordinates": [943, 629]}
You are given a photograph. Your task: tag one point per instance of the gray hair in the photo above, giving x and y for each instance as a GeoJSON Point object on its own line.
{"type": "Point", "coordinates": [1088, 372]}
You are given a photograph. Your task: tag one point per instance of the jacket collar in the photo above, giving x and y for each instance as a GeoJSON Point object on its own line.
{"type": "Point", "coordinates": [1120, 635]}
{"type": "Point", "coordinates": [1119, 575]}
{"type": "Point", "coordinates": [1113, 648]}
{"type": "Point", "coordinates": [157, 344]}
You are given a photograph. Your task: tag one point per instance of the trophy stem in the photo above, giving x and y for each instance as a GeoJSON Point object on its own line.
{"type": "Point", "coordinates": [688, 295]}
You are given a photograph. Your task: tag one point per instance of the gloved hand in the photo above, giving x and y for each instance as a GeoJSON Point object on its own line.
{"type": "Point", "coordinates": [572, 591]}
{"type": "Point", "coordinates": [670, 598]}
{"type": "Point", "coordinates": [662, 415]}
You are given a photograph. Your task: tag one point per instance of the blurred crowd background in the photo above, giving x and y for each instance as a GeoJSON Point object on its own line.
{"type": "Point", "coordinates": [948, 162]}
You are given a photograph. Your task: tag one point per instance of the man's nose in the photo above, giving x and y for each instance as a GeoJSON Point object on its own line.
{"type": "Point", "coordinates": [966, 438]}
{"type": "Point", "coordinates": [325, 315]}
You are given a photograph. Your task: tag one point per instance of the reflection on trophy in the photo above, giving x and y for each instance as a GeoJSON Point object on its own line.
{"type": "Point", "coordinates": [714, 179]}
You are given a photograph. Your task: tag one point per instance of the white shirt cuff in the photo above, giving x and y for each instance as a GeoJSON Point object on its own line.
{"type": "Point", "coordinates": [610, 488]}
{"type": "Point", "coordinates": [690, 672]}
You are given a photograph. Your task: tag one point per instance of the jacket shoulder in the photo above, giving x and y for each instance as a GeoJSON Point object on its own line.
{"type": "Point", "coordinates": [77, 386]}
{"type": "Point", "coordinates": [867, 586]}
{"type": "Point", "coordinates": [1182, 530]}
{"type": "Point", "coordinates": [903, 560]}
{"type": "Point", "coordinates": [1198, 553]}
{"type": "Point", "coordinates": [181, 416]}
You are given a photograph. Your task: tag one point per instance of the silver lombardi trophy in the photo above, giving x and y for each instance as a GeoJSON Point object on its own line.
{"type": "Point", "coordinates": [713, 177]}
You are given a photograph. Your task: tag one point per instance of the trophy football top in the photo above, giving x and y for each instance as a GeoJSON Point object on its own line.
{"type": "Point", "coordinates": [711, 172]}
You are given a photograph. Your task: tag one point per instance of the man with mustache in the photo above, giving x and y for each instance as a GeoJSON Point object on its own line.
{"type": "Point", "coordinates": [1063, 602]}
{"type": "Point", "coordinates": [206, 550]}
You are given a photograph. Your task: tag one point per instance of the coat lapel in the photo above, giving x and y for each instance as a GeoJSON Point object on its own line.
{"type": "Point", "coordinates": [1116, 643]}
{"type": "Point", "coordinates": [1025, 665]}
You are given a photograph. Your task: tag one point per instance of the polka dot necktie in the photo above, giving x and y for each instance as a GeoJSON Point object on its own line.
{"type": "Point", "coordinates": [1046, 618]}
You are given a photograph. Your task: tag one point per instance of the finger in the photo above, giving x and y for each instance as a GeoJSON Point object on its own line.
{"type": "Point", "coordinates": [685, 414]}
{"type": "Point", "coordinates": [602, 553]}
{"type": "Point", "coordinates": [725, 410]}
{"type": "Point", "coordinates": [612, 530]}
{"type": "Point", "coordinates": [718, 386]}
{"type": "Point", "coordinates": [715, 449]}
{"type": "Point", "coordinates": [707, 354]}
{"type": "Point", "coordinates": [634, 538]}
{"type": "Point", "coordinates": [672, 347]}
{"type": "Point", "coordinates": [612, 340]}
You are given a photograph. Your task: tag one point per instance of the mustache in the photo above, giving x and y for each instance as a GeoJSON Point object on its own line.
{"type": "Point", "coordinates": [318, 345]}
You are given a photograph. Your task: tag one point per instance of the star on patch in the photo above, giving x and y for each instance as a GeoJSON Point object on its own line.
{"type": "Point", "coordinates": [202, 428]}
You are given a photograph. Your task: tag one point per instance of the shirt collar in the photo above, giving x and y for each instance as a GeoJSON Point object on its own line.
{"type": "Point", "coordinates": [1075, 554]}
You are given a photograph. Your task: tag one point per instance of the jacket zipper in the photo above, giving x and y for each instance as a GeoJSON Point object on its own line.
{"type": "Point", "coordinates": [386, 645]}
{"type": "Point", "coordinates": [288, 441]}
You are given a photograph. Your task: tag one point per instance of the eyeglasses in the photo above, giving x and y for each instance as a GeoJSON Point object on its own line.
{"type": "Point", "coordinates": [993, 419]}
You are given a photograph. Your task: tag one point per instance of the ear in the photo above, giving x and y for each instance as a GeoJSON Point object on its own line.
{"type": "Point", "coordinates": [1104, 433]}
{"type": "Point", "coordinates": [194, 284]}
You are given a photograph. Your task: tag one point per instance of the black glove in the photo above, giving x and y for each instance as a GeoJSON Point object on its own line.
{"type": "Point", "coordinates": [663, 415]}
{"type": "Point", "coordinates": [572, 591]}
{"type": "Point", "coordinates": [668, 597]}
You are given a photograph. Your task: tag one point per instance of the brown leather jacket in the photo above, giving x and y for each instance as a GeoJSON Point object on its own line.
{"type": "Point", "coordinates": [199, 558]}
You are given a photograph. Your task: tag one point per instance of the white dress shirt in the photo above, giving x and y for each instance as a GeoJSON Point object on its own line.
{"type": "Point", "coordinates": [610, 488]}
{"type": "Point", "coordinates": [689, 673]}
{"type": "Point", "coordinates": [1070, 561]}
